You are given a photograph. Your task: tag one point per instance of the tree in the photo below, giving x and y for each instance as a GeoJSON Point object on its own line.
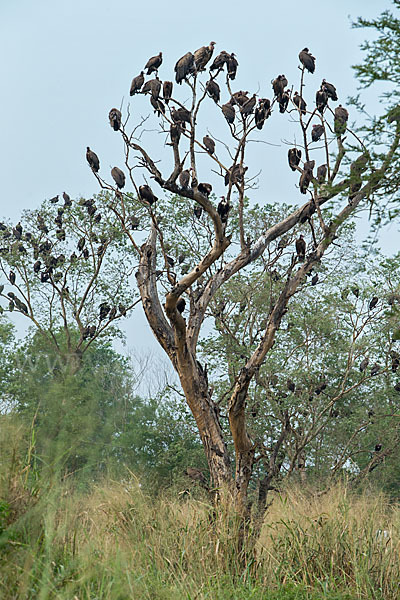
{"type": "Point", "coordinates": [222, 259]}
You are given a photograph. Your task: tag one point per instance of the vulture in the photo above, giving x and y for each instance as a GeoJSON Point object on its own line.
{"type": "Point", "coordinates": [248, 106]}
{"type": "Point", "coordinates": [294, 156]}
{"type": "Point", "coordinates": [321, 100]}
{"type": "Point", "coordinates": [341, 118]}
{"type": "Point", "coordinates": [104, 310]}
{"type": "Point", "coordinates": [146, 194]}
{"type": "Point", "coordinates": [378, 447]}
{"type": "Point", "coordinates": [198, 211]}
{"type": "Point", "coordinates": [232, 65]}
{"type": "Point", "coordinates": [356, 291]}
{"type": "Point", "coordinates": [175, 133]}
{"type": "Point", "coordinates": [181, 258]}
{"type": "Point", "coordinates": [113, 313]}
{"type": "Point", "coordinates": [158, 106]}
{"type": "Point", "coordinates": [184, 67]}
{"type": "Point", "coordinates": [85, 253]}
{"type": "Point", "coordinates": [136, 84]}
{"type": "Point", "coordinates": [115, 117]}
{"type": "Point", "coordinates": [239, 98]}
{"type": "Point", "coordinates": [184, 179]}
{"type": "Point", "coordinates": [67, 200]}
{"type": "Point", "coordinates": [167, 90]}
{"type": "Point", "coordinates": [153, 86]}
{"type": "Point", "coordinates": [317, 132]}
{"type": "Point", "coordinates": [203, 55]}
{"type": "Point", "coordinates": [357, 168]}
{"type": "Point", "coordinates": [92, 159]}
{"type": "Point", "coordinates": [397, 387]}
{"type": "Point", "coordinates": [300, 103]}
{"type": "Point", "coordinates": [181, 115]}
{"type": "Point", "coordinates": [235, 174]}
{"type": "Point", "coordinates": [290, 385]}
{"type": "Point", "coordinates": [122, 310]}
{"type": "Point", "coordinates": [364, 364]}
{"type": "Point", "coordinates": [220, 60]}
{"type": "Point", "coordinates": [60, 235]}
{"type": "Point", "coordinates": [36, 266]}
{"type": "Point", "coordinates": [213, 90]}
{"type": "Point", "coordinates": [205, 188]}
{"type": "Point", "coordinates": [229, 112]}
{"type": "Point", "coordinates": [395, 362]}
{"type": "Point", "coordinates": [329, 89]}
{"type": "Point", "coordinates": [301, 248]}
{"type": "Point", "coordinates": [373, 302]}
{"type": "Point", "coordinates": [259, 116]}
{"type": "Point", "coordinates": [97, 218]}
{"type": "Point", "coordinates": [180, 305]}
{"type": "Point", "coordinates": [283, 101]}
{"type": "Point", "coordinates": [118, 176]}
{"type": "Point", "coordinates": [153, 64]}
{"type": "Point", "coordinates": [278, 85]}
{"type": "Point", "coordinates": [375, 369]}
{"type": "Point", "coordinates": [12, 277]}
{"type": "Point", "coordinates": [91, 209]}
{"type": "Point", "coordinates": [3, 227]}
{"type": "Point", "coordinates": [209, 144]}
{"type": "Point", "coordinates": [307, 60]}
{"type": "Point", "coordinates": [223, 209]}
{"type": "Point", "coordinates": [306, 176]}
{"type": "Point", "coordinates": [170, 261]}
{"type": "Point", "coordinates": [17, 234]}
{"type": "Point", "coordinates": [314, 280]}
{"type": "Point", "coordinates": [321, 173]}
{"type": "Point", "coordinates": [54, 200]}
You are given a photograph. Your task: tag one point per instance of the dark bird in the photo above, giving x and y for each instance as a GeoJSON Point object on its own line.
{"type": "Point", "coordinates": [175, 133]}
{"type": "Point", "coordinates": [301, 248]}
{"type": "Point", "coordinates": [113, 313]}
{"type": "Point", "coordinates": [153, 64]}
{"type": "Point", "coordinates": [294, 157]}
{"type": "Point", "coordinates": [153, 86]}
{"type": "Point", "coordinates": [146, 194]}
{"type": "Point", "coordinates": [248, 106]}
{"type": "Point", "coordinates": [184, 179]}
{"type": "Point", "coordinates": [118, 176]}
{"type": "Point", "coordinates": [167, 90]}
{"type": "Point", "coordinates": [85, 253]}
{"type": "Point", "coordinates": [91, 209]}
{"type": "Point", "coordinates": [54, 200]}
{"type": "Point", "coordinates": [235, 174]}
{"type": "Point", "coordinates": [357, 168]}
{"type": "Point", "coordinates": [290, 385]}
{"type": "Point", "coordinates": [329, 89]}
{"type": "Point", "coordinates": [229, 112]}
{"type": "Point", "coordinates": [232, 65]}
{"type": "Point", "coordinates": [198, 211]}
{"type": "Point", "coordinates": [397, 387]}
{"type": "Point", "coordinates": [307, 60]}
{"type": "Point", "coordinates": [283, 101]}
{"type": "Point", "coordinates": [97, 218]}
{"type": "Point", "coordinates": [115, 118]}
{"type": "Point", "coordinates": [364, 364]}
{"type": "Point", "coordinates": [378, 447]}
{"type": "Point", "coordinates": [220, 60]}
{"type": "Point", "coordinates": [104, 310]}
{"type": "Point", "coordinates": [317, 132]}
{"type": "Point", "coordinates": [36, 266]}
{"type": "Point", "coordinates": [278, 85]}
{"type": "Point", "coordinates": [3, 227]}
{"type": "Point", "coordinates": [170, 261]}
{"type": "Point", "coordinates": [93, 160]}
{"type": "Point", "coordinates": [321, 173]}
{"type": "Point", "coordinates": [12, 277]}
{"type": "Point", "coordinates": [395, 362]}
{"type": "Point", "coordinates": [180, 305]}
{"type": "Point", "coordinates": [67, 200]}
{"type": "Point", "coordinates": [321, 100]}
{"type": "Point", "coordinates": [136, 84]}
{"type": "Point", "coordinates": [341, 118]}
{"type": "Point", "coordinates": [306, 176]}
{"type": "Point", "coordinates": [375, 369]}
{"type": "Point", "coordinates": [223, 209]}
{"type": "Point", "coordinates": [60, 234]}
{"type": "Point", "coordinates": [122, 310]}
{"type": "Point", "coordinates": [203, 55]}
{"type": "Point", "coordinates": [205, 188]}
{"type": "Point", "coordinates": [300, 103]}
{"type": "Point", "coordinates": [184, 67]}
{"type": "Point", "coordinates": [209, 144]}
{"type": "Point", "coordinates": [213, 90]}
{"type": "Point", "coordinates": [314, 279]}
{"type": "Point", "coordinates": [373, 302]}
{"type": "Point", "coordinates": [181, 115]}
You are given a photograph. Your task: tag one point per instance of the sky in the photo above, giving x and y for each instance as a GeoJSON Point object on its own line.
{"type": "Point", "coordinates": [65, 64]}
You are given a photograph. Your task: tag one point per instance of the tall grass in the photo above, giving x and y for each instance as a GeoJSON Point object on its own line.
{"type": "Point", "coordinates": [115, 542]}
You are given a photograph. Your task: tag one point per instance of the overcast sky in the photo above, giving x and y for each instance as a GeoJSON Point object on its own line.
{"type": "Point", "coordinates": [65, 64]}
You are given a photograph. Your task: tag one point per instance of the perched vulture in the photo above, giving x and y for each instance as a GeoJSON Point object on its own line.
{"type": "Point", "coordinates": [209, 144]}
{"type": "Point", "coordinates": [184, 67]}
{"type": "Point", "coordinates": [375, 369]}
{"type": "Point", "coordinates": [104, 310]}
{"type": "Point", "coordinates": [167, 90]}
{"type": "Point", "coordinates": [357, 168]}
{"type": "Point", "coordinates": [158, 106]}
{"type": "Point", "coordinates": [153, 86]}
{"type": "Point", "coordinates": [180, 305]}
{"type": "Point", "coordinates": [170, 261]}
{"type": "Point", "coordinates": [278, 85]}
{"type": "Point", "coordinates": [314, 280]}
{"type": "Point", "coordinates": [321, 173]}
{"type": "Point", "coordinates": [232, 65]}
{"type": "Point", "coordinates": [301, 248]}
{"type": "Point", "coordinates": [153, 64]}
{"type": "Point", "coordinates": [307, 60]}
{"type": "Point", "coordinates": [12, 277]}
{"type": "Point", "coordinates": [395, 362]}
{"type": "Point", "coordinates": [67, 200]}
{"type": "Point", "coordinates": [115, 118]}
{"type": "Point", "coordinates": [146, 194]}
{"type": "Point", "coordinates": [259, 116]}
{"type": "Point", "coordinates": [203, 55]}
{"type": "Point", "coordinates": [378, 447]}
{"type": "Point", "coordinates": [181, 115]}
{"type": "Point", "coordinates": [239, 98]}
{"type": "Point", "coordinates": [229, 112]}
{"type": "Point", "coordinates": [81, 244]}
{"type": "Point", "coordinates": [54, 200]}
{"type": "Point", "coordinates": [93, 160]}
{"type": "Point", "coordinates": [60, 234]}
{"type": "Point", "coordinates": [300, 103]}
{"type": "Point", "coordinates": [220, 60]}
{"type": "Point", "coordinates": [329, 89]}
{"type": "Point", "coordinates": [248, 106]}
{"type": "Point", "coordinates": [213, 90]}
{"type": "Point", "coordinates": [306, 176]}
{"type": "Point", "coordinates": [373, 302]}
{"type": "Point", "coordinates": [118, 176]}
{"type": "Point", "coordinates": [223, 209]}
{"type": "Point", "coordinates": [205, 188]}
{"type": "Point", "coordinates": [294, 157]}
{"type": "Point", "coordinates": [283, 101]}
{"type": "Point", "coordinates": [364, 364]}
{"type": "Point", "coordinates": [175, 133]}
{"type": "Point", "coordinates": [184, 178]}
{"type": "Point", "coordinates": [290, 385]}
{"type": "Point", "coordinates": [235, 174]}
{"type": "Point", "coordinates": [356, 291]}
{"type": "Point", "coordinates": [198, 211]}
{"type": "Point", "coordinates": [321, 100]}
{"type": "Point", "coordinates": [122, 310]}
{"type": "Point", "coordinates": [341, 118]}
{"type": "Point", "coordinates": [137, 83]}
{"type": "Point", "coordinates": [36, 266]}
{"type": "Point", "coordinates": [317, 132]}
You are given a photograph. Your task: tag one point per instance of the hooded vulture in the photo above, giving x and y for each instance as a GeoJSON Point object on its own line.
{"type": "Point", "coordinates": [232, 65]}
{"type": "Point", "coordinates": [213, 90]}
{"type": "Point", "coordinates": [248, 107]}
{"type": "Point", "coordinates": [321, 100]}
{"type": "Point", "coordinates": [203, 55]}
{"type": "Point", "coordinates": [146, 194]}
{"type": "Point", "coordinates": [115, 118]}
{"type": "Point", "coordinates": [321, 173]}
{"type": "Point", "coordinates": [329, 89]}
{"type": "Point", "coordinates": [153, 63]}
{"type": "Point", "coordinates": [300, 103]}
{"type": "Point", "coordinates": [158, 106]}
{"type": "Point", "coordinates": [307, 60]}
{"type": "Point", "coordinates": [175, 133]}
{"type": "Point", "coordinates": [294, 156]}
{"type": "Point", "coordinates": [220, 60]}
{"type": "Point", "coordinates": [167, 90]}
{"type": "Point", "coordinates": [184, 67]}
{"type": "Point", "coordinates": [301, 248]}
{"type": "Point", "coordinates": [205, 188]}
{"type": "Point", "coordinates": [373, 302]}
{"type": "Point", "coordinates": [341, 118]}
{"type": "Point", "coordinates": [197, 211]}
{"type": "Point", "coordinates": [54, 200]}
{"type": "Point", "coordinates": [357, 168]}
{"type": "Point", "coordinates": [306, 176]}
{"type": "Point", "coordinates": [317, 132]}
{"type": "Point", "coordinates": [364, 364]}
{"type": "Point", "coordinates": [235, 174]}
{"type": "Point", "coordinates": [181, 115]}
{"type": "Point", "coordinates": [12, 277]}
{"type": "Point", "coordinates": [259, 115]}
{"type": "Point", "coordinates": [209, 144]}
{"type": "Point", "coordinates": [136, 84]}
{"type": "Point", "coordinates": [153, 86]}
{"type": "Point", "coordinates": [278, 85]}
{"type": "Point", "coordinates": [184, 179]}
{"type": "Point", "coordinates": [283, 101]}
{"type": "Point", "coordinates": [118, 176]}
{"type": "Point", "coordinates": [228, 112]}
{"type": "Point", "coordinates": [223, 209]}
{"type": "Point", "coordinates": [67, 200]}
{"type": "Point", "coordinates": [92, 159]}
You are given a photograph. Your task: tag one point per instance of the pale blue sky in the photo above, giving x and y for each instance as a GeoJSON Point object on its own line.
{"type": "Point", "coordinates": [65, 64]}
